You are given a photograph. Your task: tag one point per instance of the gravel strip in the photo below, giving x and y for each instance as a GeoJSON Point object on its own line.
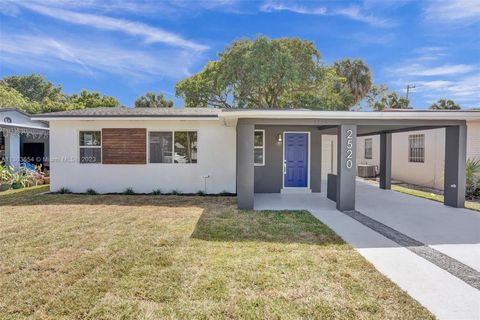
{"type": "Point", "coordinates": [447, 263]}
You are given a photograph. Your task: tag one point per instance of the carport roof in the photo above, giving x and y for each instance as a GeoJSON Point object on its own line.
{"type": "Point", "coordinates": [235, 114]}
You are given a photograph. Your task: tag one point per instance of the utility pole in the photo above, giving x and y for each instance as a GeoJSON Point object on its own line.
{"type": "Point", "coordinates": [408, 89]}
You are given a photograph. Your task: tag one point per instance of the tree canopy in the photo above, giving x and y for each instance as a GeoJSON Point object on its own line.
{"type": "Point", "coordinates": [92, 99]}
{"type": "Point", "coordinates": [34, 94]}
{"type": "Point", "coordinates": [445, 104]}
{"type": "Point", "coordinates": [152, 100]}
{"type": "Point", "coordinates": [10, 97]}
{"type": "Point", "coordinates": [35, 88]}
{"type": "Point", "coordinates": [267, 73]}
{"type": "Point", "coordinates": [358, 79]}
{"type": "Point", "coordinates": [379, 99]}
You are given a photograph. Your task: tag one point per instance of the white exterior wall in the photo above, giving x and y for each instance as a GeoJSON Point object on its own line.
{"type": "Point", "coordinates": [329, 155]}
{"type": "Point", "coordinates": [20, 118]}
{"type": "Point", "coordinates": [473, 139]}
{"type": "Point", "coordinates": [216, 157]}
{"type": "Point", "coordinates": [375, 151]}
{"type": "Point", "coordinates": [429, 173]}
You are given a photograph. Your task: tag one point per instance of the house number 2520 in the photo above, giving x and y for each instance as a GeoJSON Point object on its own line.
{"type": "Point", "coordinates": [349, 151]}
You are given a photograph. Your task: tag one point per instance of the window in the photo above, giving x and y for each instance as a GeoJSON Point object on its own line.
{"type": "Point", "coordinates": [173, 147]}
{"type": "Point", "coordinates": [416, 148]}
{"type": "Point", "coordinates": [259, 148]}
{"type": "Point", "coordinates": [368, 148]}
{"type": "Point", "coordinates": [161, 147]}
{"type": "Point", "coordinates": [90, 147]}
{"type": "Point", "coordinates": [185, 147]}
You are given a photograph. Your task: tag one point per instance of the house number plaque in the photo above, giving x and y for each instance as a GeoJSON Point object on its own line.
{"type": "Point", "coordinates": [349, 151]}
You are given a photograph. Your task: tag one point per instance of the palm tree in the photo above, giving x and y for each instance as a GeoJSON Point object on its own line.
{"type": "Point", "coordinates": [358, 78]}
{"type": "Point", "coordinates": [472, 171]}
{"type": "Point", "coordinates": [445, 104]}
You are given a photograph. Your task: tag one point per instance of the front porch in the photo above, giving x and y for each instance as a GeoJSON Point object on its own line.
{"type": "Point", "coordinates": [22, 139]}
{"type": "Point", "coordinates": [266, 165]}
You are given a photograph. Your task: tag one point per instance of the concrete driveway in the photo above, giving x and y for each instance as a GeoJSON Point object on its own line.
{"type": "Point", "coordinates": [430, 250]}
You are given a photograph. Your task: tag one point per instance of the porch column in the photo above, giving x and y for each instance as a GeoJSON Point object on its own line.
{"type": "Point", "coordinates": [455, 163]}
{"type": "Point", "coordinates": [346, 166]}
{"type": "Point", "coordinates": [245, 166]}
{"type": "Point", "coordinates": [12, 150]}
{"type": "Point", "coordinates": [386, 161]}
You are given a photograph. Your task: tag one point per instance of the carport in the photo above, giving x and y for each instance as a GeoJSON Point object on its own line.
{"type": "Point", "coordinates": [292, 137]}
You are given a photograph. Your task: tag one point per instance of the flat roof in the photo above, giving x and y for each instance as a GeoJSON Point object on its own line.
{"type": "Point", "coordinates": [106, 112]}
{"type": "Point", "coordinates": [213, 114]}
{"type": "Point", "coordinates": [353, 115]}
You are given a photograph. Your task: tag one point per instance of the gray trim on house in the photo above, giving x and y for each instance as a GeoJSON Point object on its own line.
{"type": "Point", "coordinates": [269, 177]}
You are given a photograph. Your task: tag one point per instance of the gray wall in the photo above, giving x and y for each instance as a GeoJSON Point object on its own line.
{"type": "Point", "coordinates": [268, 178]}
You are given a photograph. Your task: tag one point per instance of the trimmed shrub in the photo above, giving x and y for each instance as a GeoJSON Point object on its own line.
{"type": "Point", "coordinates": [90, 191]}
{"type": "Point", "coordinates": [129, 191]}
{"type": "Point", "coordinates": [64, 190]}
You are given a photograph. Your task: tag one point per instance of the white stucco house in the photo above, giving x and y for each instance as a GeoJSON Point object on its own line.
{"type": "Point", "coordinates": [241, 151]}
{"type": "Point", "coordinates": [23, 139]}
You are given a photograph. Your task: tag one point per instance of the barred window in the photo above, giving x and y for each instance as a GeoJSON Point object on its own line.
{"type": "Point", "coordinates": [368, 148]}
{"type": "Point", "coordinates": [416, 148]}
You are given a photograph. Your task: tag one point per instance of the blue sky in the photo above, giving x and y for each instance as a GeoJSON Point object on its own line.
{"type": "Point", "coordinates": [126, 48]}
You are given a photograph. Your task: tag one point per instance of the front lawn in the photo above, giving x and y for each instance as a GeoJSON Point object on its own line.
{"type": "Point", "coordinates": [153, 257]}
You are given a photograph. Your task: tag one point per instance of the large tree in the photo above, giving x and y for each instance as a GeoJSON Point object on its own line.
{"type": "Point", "coordinates": [358, 79]}
{"type": "Point", "coordinates": [152, 100]}
{"type": "Point", "coordinates": [92, 99]}
{"type": "Point", "coordinates": [11, 98]}
{"type": "Point", "coordinates": [266, 73]}
{"type": "Point", "coordinates": [35, 88]}
{"type": "Point", "coordinates": [35, 94]}
{"type": "Point", "coordinates": [445, 104]}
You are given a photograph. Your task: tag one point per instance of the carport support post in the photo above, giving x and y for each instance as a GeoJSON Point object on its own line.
{"type": "Point", "coordinates": [455, 163]}
{"type": "Point", "coordinates": [245, 166]}
{"type": "Point", "coordinates": [386, 161]}
{"type": "Point", "coordinates": [346, 166]}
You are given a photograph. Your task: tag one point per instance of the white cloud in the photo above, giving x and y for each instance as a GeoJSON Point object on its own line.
{"type": "Point", "coordinates": [148, 33]}
{"type": "Point", "coordinates": [356, 13]}
{"type": "Point", "coordinates": [423, 71]}
{"type": "Point", "coordinates": [352, 12]}
{"type": "Point", "coordinates": [94, 57]}
{"type": "Point", "coordinates": [453, 11]}
{"type": "Point", "coordinates": [272, 6]}
{"type": "Point", "coordinates": [466, 90]}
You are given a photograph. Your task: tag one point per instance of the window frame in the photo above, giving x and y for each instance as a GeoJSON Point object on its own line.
{"type": "Point", "coordinates": [262, 147]}
{"type": "Point", "coordinates": [173, 147]}
{"type": "Point", "coordinates": [365, 155]}
{"type": "Point", "coordinates": [414, 156]}
{"type": "Point", "coordinates": [90, 147]}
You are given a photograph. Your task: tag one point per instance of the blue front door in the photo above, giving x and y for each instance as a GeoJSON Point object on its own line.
{"type": "Point", "coordinates": [295, 170]}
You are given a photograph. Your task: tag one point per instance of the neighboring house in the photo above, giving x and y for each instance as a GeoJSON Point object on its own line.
{"type": "Point", "coordinates": [242, 151]}
{"type": "Point", "coordinates": [418, 157]}
{"type": "Point", "coordinates": [22, 139]}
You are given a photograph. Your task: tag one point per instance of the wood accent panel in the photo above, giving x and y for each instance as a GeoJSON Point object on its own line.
{"type": "Point", "coordinates": [124, 146]}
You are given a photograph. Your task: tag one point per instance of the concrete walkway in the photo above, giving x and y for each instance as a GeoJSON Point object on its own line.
{"type": "Point", "coordinates": [454, 232]}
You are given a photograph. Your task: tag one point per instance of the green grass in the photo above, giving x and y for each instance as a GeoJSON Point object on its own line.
{"type": "Point", "coordinates": [472, 205]}
{"type": "Point", "coordinates": [171, 257]}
